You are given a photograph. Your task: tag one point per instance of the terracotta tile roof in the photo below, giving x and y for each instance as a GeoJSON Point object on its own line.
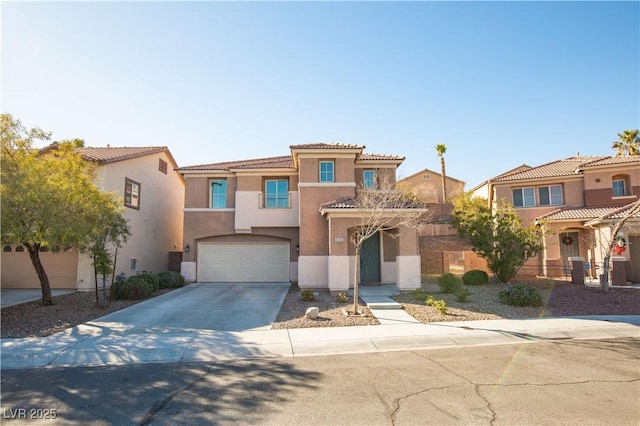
{"type": "Point", "coordinates": [282, 162]}
{"type": "Point", "coordinates": [378, 157]}
{"type": "Point", "coordinates": [566, 167]}
{"type": "Point", "coordinates": [350, 203]}
{"type": "Point", "coordinates": [104, 155]}
{"type": "Point", "coordinates": [606, 161]}
{"type": "Point", "coordinates": [588, 213]}
{"type": "Point", "coordinates": [327, 146]}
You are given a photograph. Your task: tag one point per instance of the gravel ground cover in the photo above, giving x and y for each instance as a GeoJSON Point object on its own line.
{"type": "Point", "coordinates": [561, 299]}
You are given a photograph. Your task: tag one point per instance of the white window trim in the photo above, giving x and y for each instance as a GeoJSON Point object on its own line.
{"type": "Point", "coordinates": [211, 194]}
{"type": "Point", "coordinates": [333, 171]}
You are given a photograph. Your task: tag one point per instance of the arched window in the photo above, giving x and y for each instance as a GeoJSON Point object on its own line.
{"type": "Point", "coordinates": [620, 185]}
{"type": "Point", "coordinates": [19, 249]}
{"type": "Point", "coordinates": [7, 249]}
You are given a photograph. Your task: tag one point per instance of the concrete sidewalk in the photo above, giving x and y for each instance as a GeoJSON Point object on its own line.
{"type": "Point", "coordinates": [102, 343]}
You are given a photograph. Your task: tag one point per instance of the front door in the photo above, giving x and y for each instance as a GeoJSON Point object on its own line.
{"type": "Point", "coordinates": [370, 260]}
{"type": "Point", "coordinates": [568, 248]}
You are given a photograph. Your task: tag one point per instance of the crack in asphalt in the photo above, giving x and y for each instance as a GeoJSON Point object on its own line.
{"type": "Point", "coordinates": [160, 404]}
{"type": "Point", "coordinates": [397, 403]}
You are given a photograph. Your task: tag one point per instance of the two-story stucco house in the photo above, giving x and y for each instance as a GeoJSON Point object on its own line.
{"type": "Point", "coordinates": [289, 218]}
{"type": "Point", "coordinates": [581, 197]}
{"type": "Point", "coordinates": [152, 194]}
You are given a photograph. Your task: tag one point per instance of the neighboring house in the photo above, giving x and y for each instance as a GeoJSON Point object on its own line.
{"type": "Point", "coordinates": [427, 185]}
{"type": "Point", "coordinates": [482, 189]}
{"type": "Point", "coordinates": [581, 197]}
{"type": "Point", "coordinates": [290, 218]}
{"type": "Point", "coordinates": [152, 193]}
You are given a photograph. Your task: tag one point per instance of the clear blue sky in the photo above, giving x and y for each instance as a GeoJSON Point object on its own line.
{"type": "Point", "coordinates": [499, 83]}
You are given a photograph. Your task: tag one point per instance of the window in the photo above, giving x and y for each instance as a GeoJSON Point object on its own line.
{"type": "Point", "coordinates": [131, 193]}
{"type": "Point", "coordinates": [550, 195]}
{"type": "Point", "coordinates": [277, 194]}
{"type": "Point", "coordinates": [524, 197]}
{"type": "Point", "coordinates": [19, 249]}
{"type": "Point", "coordinates": [218, 194]}
{"type": "Point", "coordinates": [162, 166]}
{"type": "Point", "coordinates": [7, 249]}
{"type": "Point", "coordinates": [326, 171]}
{"type": "Point", "coordinates": [618, 188]}
{"type": "Point", "coordinates": [369, 179]}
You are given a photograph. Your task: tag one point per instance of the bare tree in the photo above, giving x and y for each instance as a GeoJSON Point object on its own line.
{"type": "Point", "coordinates": [383, 209]}
{"type": "Point", "coordinates": [631, 211]}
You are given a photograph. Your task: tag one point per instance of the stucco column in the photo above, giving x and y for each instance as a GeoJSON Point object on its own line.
{"type": "Point", "coordinates": [408, 260]}
{"type": "Point", "coordinates": [618, 271]}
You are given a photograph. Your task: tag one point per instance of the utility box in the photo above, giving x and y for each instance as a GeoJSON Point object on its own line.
{"type": "Point", "coordinates": [577, 270]}
{"type": "Point", "coordinates": [618, 271]}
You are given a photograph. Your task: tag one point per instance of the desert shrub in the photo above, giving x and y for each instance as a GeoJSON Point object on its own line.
{"type": "Point", "coordinates": [117, 288]}
{"type": "Point", "coordinates": [307, 296]}
{"type": "Point", "coordinates": [151, 279]}
{"type": "Point", "coordinates": [440, 305]}
{"type": "Point", "coordinates": [170, 279]}
{"type": "Point", "coordinates": [449, 283]}
{"type": "Point", "coordinates": [462, 294]}
{"type": "Point", "coordinates": [419, 294]}
{"type": "Point", "coordinates": [521, 295]}
{"type": "Point", "coordinates": [475, 277]}
{"type": "Point", "coordinates": [342, 298]}
{"type": "Point", "coordinates": [135, 288]}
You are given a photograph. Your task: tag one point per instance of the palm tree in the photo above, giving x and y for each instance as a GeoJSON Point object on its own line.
{"type": "Point", "coordinates": [628, 143]}
{"type": "Point", "coordinates": [441, 149]}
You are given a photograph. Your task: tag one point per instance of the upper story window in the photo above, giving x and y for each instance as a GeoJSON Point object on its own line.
{"type": "Point", "coordinates": [162, 166]}
{"type": "Point", "coordinates": [550, 195]}
{"type": "Point", "coordinates": [619, 184]}
{"type": "Point", "coordinates": [277, 194]}
{"type": "Point", "coordinates": [218, 193]}
{"type": "Point", "coordinates": [369, 179]}
{"type": "Point", "coordinates": [326, 171]}
{"type": "Point", "coordinates": [524, 197]}
{"type": "Point", "coordinates": [131, 193]}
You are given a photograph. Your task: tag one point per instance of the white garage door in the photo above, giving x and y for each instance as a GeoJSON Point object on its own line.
{"type": "Point", "coordinates": [243, 262]}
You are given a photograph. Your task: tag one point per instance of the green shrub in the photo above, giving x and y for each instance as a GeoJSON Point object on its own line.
{"type": "Point", "coordinates": [475, 277]}
{"type": "Point", "coordinates": [449, 283]}
{"type": "Point", "coordinates": [521, 295]}
{"type": "Point", "coordinates": [342, 298]}
{"type": "Point", "coordinates": [116, 288]}
{"type": "Point", "coordinates": [151, 279]}
{"type": "Point", "coordinates": [462, 294]}
{"type": "Point", "coordinates": [135, 288]}
{"type": "Point", "coordinates": [419, 294]}
{"type": "Point", "coordinates": [307, 296]}
{"type": "Point", "coordinates": [170, 279]}
{"type": "Point", "coordinates": [440, 305]}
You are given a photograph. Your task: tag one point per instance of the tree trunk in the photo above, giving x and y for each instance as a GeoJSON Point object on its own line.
{"type": "Point", "coordinates": [605, 273]}
{"type": "Point", "coordinates": [95, 279]}
{"type": "Point", "coordinates": [444, 181]}
{"type": "Point", "coordinates": [356, 279]}
{"type": "Point", "coordinates": [34, 254]}
{"type": "Point", "coordinates": [113, 273]}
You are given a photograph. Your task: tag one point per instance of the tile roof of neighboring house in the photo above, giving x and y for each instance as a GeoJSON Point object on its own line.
{"type": "Point", "coordinates": [606, 161]}
{"type": "Point", "coordinates": [378, 157]}
{"type": "Point", "coordinates": [588, 213]}
{"type": "Point", "coordinates": [327, 146]}
{"type": "Point", "coordinates": [112, 154]}
{"type": "Point", "coordinates": [566, 167]}
{"type": "Point", "coordinates": [282, 162]}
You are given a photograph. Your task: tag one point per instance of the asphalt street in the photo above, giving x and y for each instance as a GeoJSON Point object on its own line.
{"type": "Point", "coordinates": [576, 382]}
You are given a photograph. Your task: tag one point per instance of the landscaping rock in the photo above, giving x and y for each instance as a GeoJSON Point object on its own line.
{"type": "Point", "coordinates": [312, 312]}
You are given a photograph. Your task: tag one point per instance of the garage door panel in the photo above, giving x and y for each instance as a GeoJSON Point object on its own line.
{"type": "Point", "coordinates": [243, 262]}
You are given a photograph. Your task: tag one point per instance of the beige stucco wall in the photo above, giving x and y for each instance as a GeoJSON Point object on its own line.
{"type": "Point", "coordinates": [428, 186]}
{"type": "Point", "coordinates": [17, 270]}
{"type": "Point", "coordinates": [156, 227]}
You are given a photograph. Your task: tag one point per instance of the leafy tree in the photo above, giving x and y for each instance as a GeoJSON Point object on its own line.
{"type": "Point", "coordinates": [441, 149]}
{"type": "Point", "coordinates": [497, 235]}
{"type": "Point", "coordinates": [109, 232]}
{"type": "Point", "coordinates": [48, 196]}
{"type": "Point", "coordinates": [628, 143]}
{"type": "Point", "coordinates": [382, 209]}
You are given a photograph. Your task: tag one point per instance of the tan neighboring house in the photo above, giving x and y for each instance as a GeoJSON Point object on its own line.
{"type": "Point", "coordinates": [427, 185]}
{"type": "Point", "coordinates": [581, 197]}
{"type": "Point", "coordinates": [153, 195]}
{"type": "Point", "coordinates": [289, 218]}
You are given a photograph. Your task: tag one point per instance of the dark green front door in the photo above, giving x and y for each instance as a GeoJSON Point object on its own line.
{"type": "Point", "coordinates": [370, 260]}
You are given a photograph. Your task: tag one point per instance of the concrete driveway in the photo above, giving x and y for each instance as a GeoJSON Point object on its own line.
{"type": "Point", "coordinates": [206, 306]}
